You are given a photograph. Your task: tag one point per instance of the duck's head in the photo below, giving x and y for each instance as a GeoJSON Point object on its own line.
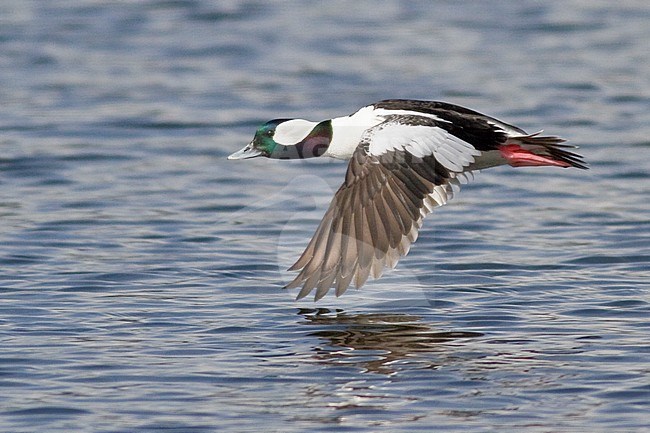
{"type": "Point", "coordinates": [288, 139]}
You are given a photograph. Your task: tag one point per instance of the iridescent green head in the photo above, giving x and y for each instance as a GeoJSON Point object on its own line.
{"type": "Point", "coordinates": [288, 139]}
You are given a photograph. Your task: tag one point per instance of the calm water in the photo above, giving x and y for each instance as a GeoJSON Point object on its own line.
{"type": "Point", "coordinates": [141, 272]}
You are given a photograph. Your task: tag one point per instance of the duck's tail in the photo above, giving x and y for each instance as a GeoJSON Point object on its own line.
{"type": "Point", "coordinates": [540, 150]}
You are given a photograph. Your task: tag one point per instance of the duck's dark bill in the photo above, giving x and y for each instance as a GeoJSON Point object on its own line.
{"type": "Point", "coordinates": [247, 152]}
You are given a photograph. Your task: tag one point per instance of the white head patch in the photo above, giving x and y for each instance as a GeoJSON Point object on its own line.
{"type": "Point", "coordinates": [293, 131]}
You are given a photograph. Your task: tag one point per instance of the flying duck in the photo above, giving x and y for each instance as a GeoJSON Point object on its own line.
{"type": "Point", "coordinates": [405, 156]}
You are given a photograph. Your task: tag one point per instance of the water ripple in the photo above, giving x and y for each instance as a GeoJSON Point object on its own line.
{"type": "Point", "coordinates": [142, 272]}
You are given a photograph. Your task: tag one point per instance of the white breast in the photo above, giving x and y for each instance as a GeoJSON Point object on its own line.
{"type": "Point", "coordinates": [347, 131]}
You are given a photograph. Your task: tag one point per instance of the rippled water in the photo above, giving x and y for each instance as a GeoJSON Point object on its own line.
{"type": "Point", "coordinates": [142, 272]}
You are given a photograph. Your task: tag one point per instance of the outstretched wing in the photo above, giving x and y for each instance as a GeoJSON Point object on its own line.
{"type": "Point", "coordinates": [401, 170]}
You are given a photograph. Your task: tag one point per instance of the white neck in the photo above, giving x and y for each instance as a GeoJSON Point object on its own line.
{"type": "Point", "coordinates": [347, 132]}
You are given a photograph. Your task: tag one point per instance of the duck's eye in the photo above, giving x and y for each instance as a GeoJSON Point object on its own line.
{"type": "Point", "coordinates": [270, 132]}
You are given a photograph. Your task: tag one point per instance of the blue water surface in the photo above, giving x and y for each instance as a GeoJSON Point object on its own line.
{"type": "Point", "coordinates": [141, 272]}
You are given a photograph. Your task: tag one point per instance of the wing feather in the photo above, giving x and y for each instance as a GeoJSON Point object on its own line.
{"type": "Point", "coordinates": [399, 172]}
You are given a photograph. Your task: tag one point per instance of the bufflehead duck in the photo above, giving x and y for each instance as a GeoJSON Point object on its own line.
{"type": "Point", "coordinates": [405, 156]}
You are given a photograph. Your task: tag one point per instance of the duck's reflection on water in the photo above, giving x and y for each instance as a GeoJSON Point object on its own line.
{"type": "Point", "coordinates": [378, 342]}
